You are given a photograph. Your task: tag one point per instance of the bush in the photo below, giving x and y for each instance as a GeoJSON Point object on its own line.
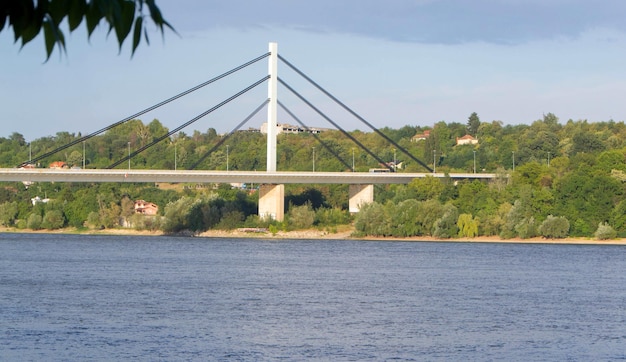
{"type": "Point", "coordinates": [554, 227]}
{"type": "Point", "coordinates": [93, 220]}
{"type": "Point", "coordinates": [331, 216]}
{"type": "Point", "coordinates": [581, 228]}
{"type": "Point", "coordinates": [34, 221]}
{"type": "Point", "coordinates": [8, 212]}
{"type": "Point", "coordinates": [230, 220]}
{"type": "Point", "coordinates": [53, 219]}
{"type": "Point", "coordinates": [527, 228]}
{"type": "Point", "coordinates": [273, 229]}
{"type": "Point", "coordinates": [605, 232]}
{"type": "Point", "coordinates": [21, 224]}
{"type": "Point", "coordinates": [372, 220]}
{"type": "Point", "coordinates": [445, 227]}
{"type": "Point", "coordinates": [177, 214]}
{"type": "Point", "coordinates": [301, 217]}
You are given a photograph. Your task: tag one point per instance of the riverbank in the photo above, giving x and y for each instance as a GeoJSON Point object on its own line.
{"type": "Point", "coordinates": [341, 234]}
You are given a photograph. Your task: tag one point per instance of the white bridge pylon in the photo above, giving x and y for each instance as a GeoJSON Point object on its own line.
{"type": "Point", "coordinates": [272, 196]}
{"type": "Point", "coordinates": [272, 118]}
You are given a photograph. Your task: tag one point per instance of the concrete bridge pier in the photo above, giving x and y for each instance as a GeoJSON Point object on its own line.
{"type": "Point", "coordinates": [272, 202]}
{"type": "Point", "coordinates": [359, 196]}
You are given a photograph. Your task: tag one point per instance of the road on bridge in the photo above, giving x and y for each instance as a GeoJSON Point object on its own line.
{"type": "Point", "coordinates": [196, 176]}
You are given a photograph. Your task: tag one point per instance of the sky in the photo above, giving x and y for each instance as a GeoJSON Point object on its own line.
{"type": "Point", "coordinates": [395, 63]}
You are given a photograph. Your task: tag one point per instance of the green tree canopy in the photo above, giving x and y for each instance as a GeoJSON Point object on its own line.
{"type": "Point", "coordinates": [29, 17]}
{"type": "Point", "coordinates": [473, 123]}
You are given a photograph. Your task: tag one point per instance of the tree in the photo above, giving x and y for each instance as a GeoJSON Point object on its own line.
{"type": "Point", "coordinates": [473, 123]}
{"type": "Point", "coordinates": [8, 211]}
{"type": "Point", "coordinates": [373, 220]}
{"type": "Point", "coordinates": [468, 226]}
{"type": "Point", "coordinates": [75, 159]}
{"type": "Point", "coordinates": [515, 216]}
{"type": "Point", "coordinates": [587, 142]}
{"type": "Point", "coordinates": [53, 219]}
{"type": "Point", "coordinates": [405, 219]}
{"type": "Point", "coordinates": [446, 227]}
{"type": "Point", "coordinates": [427, 188]}
{"type": "Point", "coordinates": [34, 221]}
{"type": "Point", "coordinates": [28, 18]}
{"type": "Point", "coordinates": [554, 227]}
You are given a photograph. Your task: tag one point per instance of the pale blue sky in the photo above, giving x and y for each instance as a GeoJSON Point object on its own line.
{"type": "Point", "coordinates": [396, 63]}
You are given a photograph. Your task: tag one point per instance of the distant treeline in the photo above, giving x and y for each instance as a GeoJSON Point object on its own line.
{"type": "Point", "coordinates": [556, 179]}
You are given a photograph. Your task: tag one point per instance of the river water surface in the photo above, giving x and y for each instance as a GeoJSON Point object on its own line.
{"type": "Point", "coordinates": [73, 297]}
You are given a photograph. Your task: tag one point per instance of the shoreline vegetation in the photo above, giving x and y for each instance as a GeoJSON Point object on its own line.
{"type": "Point", "coordinates": [346, 234]}
{"type": "Point", "coordinates": [561, 182]}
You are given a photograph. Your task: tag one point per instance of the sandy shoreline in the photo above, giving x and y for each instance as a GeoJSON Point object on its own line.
{"type": "Point", "coordinates": [344, 234]}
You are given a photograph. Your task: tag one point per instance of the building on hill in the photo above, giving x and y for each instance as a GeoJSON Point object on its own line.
{"type": "Point", "coordinates": [58, 164]}
{"type": "Point", "coordinates": [287, 128]}
{"type": "Point", "coordinates": [466, 140]}
{"type": "Point", "coordinates": [146, 208]}
{"type": "Point", "coordinates": [421, 136]}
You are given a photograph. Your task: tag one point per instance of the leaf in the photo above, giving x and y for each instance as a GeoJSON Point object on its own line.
{"type": "Point", "coordinates": [155, 14]}
{"type": "Point", "coordinates": [4, 14]}
{"type": "Point", "coordinates": [93, 16]}
{"type": "Point", "coordinates": [137, 33]}
{"type": "Point", "coordinates": [21, 16]}
{"type": "Point", "coordinates": [114, 11]}
{"type": "Point", "coordinates": [77, 10]}
{"type": "Point", "coordinates": [49, 38]}
{"type": "Point", "coordinates": [58, 9]}
{"type": "Point", "coordinates": [125, 23]}
{"type": "Point", "coordinates": [53, 36]}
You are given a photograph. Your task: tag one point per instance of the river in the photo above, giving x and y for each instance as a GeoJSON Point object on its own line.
{"type": "Point", "coordinates": [77, 297]}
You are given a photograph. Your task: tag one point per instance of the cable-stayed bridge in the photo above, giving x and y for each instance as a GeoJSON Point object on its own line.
{"type": "Point", "coordinates": [271, 195]}
{"type": "Point", "coordinates": [198, 176]}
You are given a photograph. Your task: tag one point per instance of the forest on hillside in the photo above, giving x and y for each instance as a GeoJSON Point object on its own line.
{"type": "Point", "coordinates": [556, 179]}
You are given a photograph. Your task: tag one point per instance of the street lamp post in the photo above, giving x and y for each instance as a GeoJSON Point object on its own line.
{"type": "Point", "coordinates": [395, 164]}
{"type": "Point", "coordinates": [548, 159]}
{"type": "Point", "coordinates": [227, 167]}
{"type": "Point", "coordinates": [474, 161]}
{"type": "Point", "coordinates": [313, 159]}
{"type": "Point", "coordinates": [352, 159]}
{"type": "Point", "coordinates": [129, 155]}
{"type": "Point", "coordinates": [175, 156]}
{"type": "Point", "coordinates": [434, 161]}
{"type": "Point", "coordinates": [513, 160]}
{"type": "Point", "coordinates": [83, 155]}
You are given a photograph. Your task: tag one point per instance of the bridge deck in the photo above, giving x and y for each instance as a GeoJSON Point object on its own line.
{"type": "Point", "coordinates": [185, 176]}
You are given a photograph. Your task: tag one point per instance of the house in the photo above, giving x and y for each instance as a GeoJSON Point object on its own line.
{"type": "Point", "coordinates": [58, 164]}
{"type": "Point", "coordinates": [146, 208]}
{"type": "Point", "coordinates": [421, 136]}
{"type": "Point", "coordinates": [38, 200]}
{"type": "Point", "coordinates": [466, 140]}
{"type": "Point", "coordinates": [288, 128]}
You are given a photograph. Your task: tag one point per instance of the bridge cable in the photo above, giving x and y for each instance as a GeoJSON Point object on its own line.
{"type": "Point", "coordinates": [157, 140]}
{"type": "Point", "coordinates": [221, 141]}
{"type": "Point", "coordinates": [317, 137]}
{"type": "Point", "coordinates": [151, 108]}
{"type": "Point", "coordinates": [335, 124]}
{"type": "Point", "coordinates": [354, 113]}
